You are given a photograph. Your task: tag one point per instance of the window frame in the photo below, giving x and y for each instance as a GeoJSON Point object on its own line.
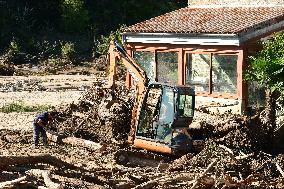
{"type": "Point", "coordinates": [155, 51]}
{"type": "Point", "coordinates": [210, 91]}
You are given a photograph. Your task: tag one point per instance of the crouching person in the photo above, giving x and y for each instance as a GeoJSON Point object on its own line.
{"type": "Point", "coordinates": [40, 124]}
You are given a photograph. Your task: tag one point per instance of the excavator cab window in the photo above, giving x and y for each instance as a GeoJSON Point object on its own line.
{"type": "Point", "coordinates": [165, 109]}
{"type": "Point", "coordinates": [148, 113]}
{"type": "Point", "coordinates": [163, 123]}
{"type": "Point", "coordinates": [157, 114]}
{"type": "Point", "coordinates": [185, 106]}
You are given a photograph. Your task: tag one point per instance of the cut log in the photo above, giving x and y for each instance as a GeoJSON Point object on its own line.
{"type": "Point", "coordinates": [93, 146]}
{"type": "Point", "coordinates": [10, 184]}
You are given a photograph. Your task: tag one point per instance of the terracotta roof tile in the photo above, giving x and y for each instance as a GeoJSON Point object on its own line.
{"type": "Point", "coordinates": [219, 20]}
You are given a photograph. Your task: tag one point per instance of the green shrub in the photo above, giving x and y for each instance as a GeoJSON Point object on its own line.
{"type": "Point", "coordinates": [68, 50]}
{"type": "Point", "coordinates": [103, 44]}
{"type": "Point", "coordinates": [22, 107]}
{"type": "Point", "coordinates": [54, 61]}
{"type": "Point", "coordinates": [14, 46]}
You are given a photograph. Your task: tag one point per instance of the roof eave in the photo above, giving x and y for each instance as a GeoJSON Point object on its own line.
{"type": "Point", "coordinates": [182, 38]}
{"type": "Point", "coordinates": [262, 31]}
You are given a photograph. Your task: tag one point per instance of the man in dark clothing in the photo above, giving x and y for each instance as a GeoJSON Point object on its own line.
{"type": "Point", "coordinates": [39, 124]}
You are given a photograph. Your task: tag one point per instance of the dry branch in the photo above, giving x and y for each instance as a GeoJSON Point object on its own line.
{"type": "Point", "coordinates": [46, 177]}
{"type": "Point", "coordinates": [175, 178]}
{"type": "Point", "coordinates": [231, 182]}
{"type": "Point", "coordinates": [279, 169]}
{"type": "Point", "coordinates": [244, 156]}
{"type": "Point", "coordinates": [197, 180]}
{"type": "Point", "coordinates": [151, 183]}
{"type": "Point", "coordinates": [228, 150]}
{"type": "Point", "coordinates": [10, 184]}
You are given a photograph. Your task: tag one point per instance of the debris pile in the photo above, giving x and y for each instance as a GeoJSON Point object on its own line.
{"type": "Point", "coordinates": [97, 116]}
{"type": "Point", "coordinates": [243, 132]}
{"type": "Point", "coordinates": [232, 157]}
{"type": "Point", "coordinates": [235, 154]}
{"type": "Point", "coordinates": [24, 85]}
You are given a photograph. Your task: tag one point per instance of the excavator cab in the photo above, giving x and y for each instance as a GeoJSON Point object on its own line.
{"type": "Point", "coordinates": [164, 117]}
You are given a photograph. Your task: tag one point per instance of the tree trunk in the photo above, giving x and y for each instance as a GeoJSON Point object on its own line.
{"type": "Point", "coordinates": [269, 118]}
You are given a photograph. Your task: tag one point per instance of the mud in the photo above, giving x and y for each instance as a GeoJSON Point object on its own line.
{"type": "Point", "coordinates": [236, 153]}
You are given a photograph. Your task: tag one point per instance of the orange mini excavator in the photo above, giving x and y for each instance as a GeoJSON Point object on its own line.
{"type": "Point", "coordinates": [161, 114]}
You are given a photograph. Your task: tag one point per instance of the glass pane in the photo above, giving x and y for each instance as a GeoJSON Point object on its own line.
{"type": "Point", "coordinates": [148, 113]}
{"type": "Point", "coordinates": [166, 116]}
{"type": "Point", "coordinates": [197, 71]}
{"type": "Point", "coordinates": [224, 73]}
{"type": "Point", "coordinates": [185, 106]}
{"type": "Point", "coordinates": [146, 60]}
{"type": "Point", "coordinates": [167, 67]}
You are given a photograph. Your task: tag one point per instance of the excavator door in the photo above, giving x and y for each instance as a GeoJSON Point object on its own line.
{"type": "Point", "coordinates": [165, 112]}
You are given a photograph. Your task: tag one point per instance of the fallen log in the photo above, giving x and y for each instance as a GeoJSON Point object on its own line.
{"type": "Point", "coordinates": [57, 138]}
{"type": "Point", "coordinates": [10, 184]}
{"type": "Point", "coordinates": [6, 161]}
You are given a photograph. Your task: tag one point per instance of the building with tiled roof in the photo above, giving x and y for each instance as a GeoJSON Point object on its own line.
{"type": "Point", "coordinates": [206, 45]}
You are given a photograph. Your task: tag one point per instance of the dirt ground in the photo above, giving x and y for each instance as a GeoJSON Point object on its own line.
{"type": "Point", "coordinates": [52, 90]}
{"type": "Point", "coordinates": [232, 157]}
{"type": "Point", "coordinates": [16, 128]}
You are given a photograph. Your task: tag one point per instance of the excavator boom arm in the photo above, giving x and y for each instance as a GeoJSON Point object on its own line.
{"type": "Point", "coordinates": [116, 52]}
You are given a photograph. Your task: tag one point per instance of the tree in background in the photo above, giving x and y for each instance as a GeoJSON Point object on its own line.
{"type": "Point", "coordinates": [267, 68]}
{"type": "Point", "coordinates": [109, 15]}
{"type": "Point", "coordinates": [41, 26]}
{"type": "Point", "coordinates": [75, 17]}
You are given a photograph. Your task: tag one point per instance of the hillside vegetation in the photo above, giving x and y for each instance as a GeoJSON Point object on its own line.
{"type": "Point", "coordinates": [33, 31]}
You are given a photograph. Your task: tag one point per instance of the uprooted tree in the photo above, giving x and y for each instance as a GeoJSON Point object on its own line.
{"type": "Point", "coordinates": [267, 68]}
